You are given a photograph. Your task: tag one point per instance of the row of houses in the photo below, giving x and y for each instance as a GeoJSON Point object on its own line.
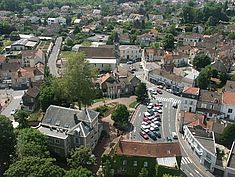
{"type": "Point", "coordinates": [212, 104]}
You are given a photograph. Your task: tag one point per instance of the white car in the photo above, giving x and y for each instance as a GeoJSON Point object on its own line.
{"type": "Point", "coordinates": [13, 111]}
{"type": "Point", "coordinates": [149, 106]}
{"type": "Point", "coordinates": [159, 111]}
{"type": "Point", "coordinates": [145, 130]}
{"type": "Point", "coordinates": [154, 92]}
{"type": "Point", "coordinates": [144, 123]}
{"type": "Point", "coordinates": [147, 114]}
{"type": "Point", "coordinates": [152, 128]}
{"type": "Point", "coordinates": [145, 126]}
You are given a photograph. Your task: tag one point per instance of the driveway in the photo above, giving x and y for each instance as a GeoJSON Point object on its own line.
{"type": "Point", "coordinates": [53, 57]}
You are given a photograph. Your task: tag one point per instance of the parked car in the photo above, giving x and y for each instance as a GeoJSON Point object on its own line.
{"type": "Point", "coordinates": [146, 119]}
{"type": "Point", "coordinates": [13, 111]}
{"type": "Point", "coordinates": [145, 126]}
{"type": "Point", "coordinates": [174, 135]}
{"type": "Point", "coordinates": [129, 62]}
{"type": "Point", "coordinates": [145, 123]}
{"type": "Point", "coordinates": [154, 92]}
{"type": "Point", "coordinates": [147, 114]}
{"type": "Point", "coordinates": [175, 105]}
{"type": "Point", "coordinates": [169, 139]}
{"type": "Point", "coordinates": [159, 111]}
{"type": "Point", "coordinates": [152, 135]}
{"type": "Point", "coordinates": [157, 133]}
{"type": "Point", "coordinates": [159, 91]}
{"type": "Point", "coordinates": [145, 130]}
{"type": "Point", "coordinates": [157, 123]}
{"type": "Point", "coordinates": [144, 135]}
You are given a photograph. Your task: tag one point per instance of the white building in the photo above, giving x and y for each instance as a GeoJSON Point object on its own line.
{"type": "Point", "coordinates": [129, 52]}
{"type": "Point", "coordinates": [202, 144]}
{"type": "Point", "coordinates": [60, 20]}
{"type": "Point", "coordinates": [230, 168]}
{"type": "Point", "coordinates": [189, 99]}
{"type": "Point", "coordinates": [228, 105]}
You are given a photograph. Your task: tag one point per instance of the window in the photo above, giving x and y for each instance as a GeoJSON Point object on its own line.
{"type": "Point", "coordinates": [124, 162]}
{"type": "Point", "coordinates": [212, 106]}
{"type": "Point", "coordinates": [185, 102]}
{"type": "Point", "coordinates": [57, 141]}
{"type": "Point", "coordinates": [230, 110]}
{"type": "Point", "coordinates": [145, 164]}
{"type": "Point", "coordinates": [135, 164]}
{"type": "Point", "coordinates": [203, 105]}
{"type": "Point", "coordinates": [77, 140]}
{"type": "Point", "coordinates": [191, 103]}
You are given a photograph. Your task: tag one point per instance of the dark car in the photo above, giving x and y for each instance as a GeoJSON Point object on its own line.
{"type": "Point", "coordinates": [157, 134]}
{"type": "Point", "coordinates": [152, 135]}
{"type": "Point", "coordinates": [159, 91]}
{"type": "Point", "coordinates": [144, 135]}
{"type": "Point", "coordinates": [169, 139]}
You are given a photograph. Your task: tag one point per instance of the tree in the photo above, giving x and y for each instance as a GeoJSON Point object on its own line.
{"type": "Point", "coordinates": [203, 79]}
{"type": "Point", "coordinates": [14, 36]}
{"type": "Point", "coordinates": [188, 14]}
{"type": "Point", "coordinates": [79, 172]}
{"type": "Point", "coordinates": [143, 172]}
{"type": "Point", "coordinates": [106, 169]}
{"type": "Point", "coordinates": [120, 116]}
{"type": "Point", "coordinates": [228, 135]}
{"type": "Point", "coordinates": [141, 92]}
{"type": "Point", "coordinates": [21, 117]}
{"type": "Point", "coordinates": [201, 61]}
{"type": "Point", "coordinates": [168, 42]}
{"type": "Point", "coordinates": [233, 77]}
{"type": "Point", "coordinates": [167, 175]}
{"type": "Point", "coordinates": [7, 140]}
{"type": "Point", "coordinates": [31, 142]}
{"type": "Point", "coordinates": [77, 80]}
{"type": "Point", "coordinates": [34, 166]}
{"type": "Point", "coordinates": [81, 156]}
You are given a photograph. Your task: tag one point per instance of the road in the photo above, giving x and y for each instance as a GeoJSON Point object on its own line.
{"type": "Point", "coordinates": [53, 57]}
{"type": "Point", "coordinates": [14, 104]}
{"type": "Point", "coordinates": [190, 163]}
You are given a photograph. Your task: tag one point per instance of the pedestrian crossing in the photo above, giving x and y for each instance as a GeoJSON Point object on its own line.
{"type": "Point", "coordinates": [172, 100]}
{"type": "Point", "coordinates": [185, 160]}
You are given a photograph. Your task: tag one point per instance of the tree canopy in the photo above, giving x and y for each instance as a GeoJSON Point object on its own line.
{"type": "Point", "coordinates": [7, 140]}
{"type": "Point", "coordinates": [168, 42]}
{"type": "Point", "coordinates": [228, 135]}
{"type": "Point", "coordinates": [31, 142]}
{"type": "Point", "coordinates": [121, 116]}
{"type": "Point", "coordinates": [143, 172]}
{"type": "Point", "coordinates": [81, 156]}
{"type": "Point", "coordinates": [21, 117]}
{"type": "Point", "coordinates": [201, 61]}
{"type": "Point", "coordinates": [141, 92]}
{"type": "Point", "coordinates": [34, 166]}
{"type": "Point", "coordinates": [79, 172]}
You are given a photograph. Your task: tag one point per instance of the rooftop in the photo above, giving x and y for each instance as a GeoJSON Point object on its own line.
{"type": "Point", "coordinates": [97, 52]}
{"type": "Point", "coordinates": [230, 86]}
{"type": "Point", "coordinates": [158, 150]}
{"type": "Point", "coordinates": [128, 47]}
{"type": "Point", "coordinates": [210, 96]}
{"type": "Point", "coordinates": [229, 98]}
{"type": "Point", "coordinates": [191, 90]}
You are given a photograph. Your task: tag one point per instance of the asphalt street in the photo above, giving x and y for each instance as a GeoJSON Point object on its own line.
{"type": "Point", "coordinates": [53, 57]}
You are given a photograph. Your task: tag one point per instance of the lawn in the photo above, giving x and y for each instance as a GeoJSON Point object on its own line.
{"type": "Point", "coordinates": [106, 109]}
{"type": "Point", "coordinates": [86, 43]}
{"type": "Point", "coordinates": [100, 100]}
{"type": "Point", "coordinates": [133, 104]}
{"type": "Point", "coordinates": [6, 43]}
{"type": "Point", "coordinates": [65, 54]}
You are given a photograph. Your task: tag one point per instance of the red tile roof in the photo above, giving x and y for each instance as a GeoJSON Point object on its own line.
{"type": "Point", "coordinates": [229, 98]}
{"type": "Point", "coordinates": [158, 150]}
{"type": "Point", "coordinates": [191, 90]}
{"type": "Point", "coordinates": [2, 58]}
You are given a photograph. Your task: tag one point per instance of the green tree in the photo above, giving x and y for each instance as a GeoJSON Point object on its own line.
{"type": "Point", "coordinates": [121, 116]}
{"type": "Point", "coordinates": [7, 140]}
{"type": "Point", "coordinates": [203, 79]}
{"type": "Point", "coordinates": [77, 80]}
{"type": "Point", "coordinates": [81, 156]}
{"type": "Point", "coordinates": [31, 142]}
{"type": "Point", "coordinates": [167, 175]}
{"type": "Point", "coordinates": [233, 77]}
{"type": "Point", "coordinates": [231, 35]}
{"type": "Point", "coordinates": [201, 61]}
{"type": "Point", "coordinates": [106, 168]}
{"type": "Point", "coordinates": [228, 135]}
{"type": "Point", "coordinates": [14, 36]}
{"type": "Point", "coordinates": [188, 14]}
{"type": "Point", "coordinates": [168, 42]}
{"type": "Point", "coordinates": [21, 117]}
{"type": "Point", "coordinates": [34, 166]}
{"type": "Point", "coordinates": [79, 172]}
{"type": "Point", "coordinates": [143, 173]}
{"type": "Point", "coordinates": [141, 92]}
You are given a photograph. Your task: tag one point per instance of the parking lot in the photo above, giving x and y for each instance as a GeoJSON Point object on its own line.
{"type": "Point", "coordinates": [157, 120]}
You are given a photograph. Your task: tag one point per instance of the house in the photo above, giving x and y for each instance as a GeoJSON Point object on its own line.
{"type": "Point", "coordinates": [229, 86]}
{"type": "Point", "coordinates": [230, 166]}
{"type": "Point", "coordinates": [132, 156]}
{"type": "Point", "coordinates": [34, 20]}
{"type": "Point", "coordinates": [6, 70]}
{"type": "Point", "coordinates": [124, 38]}
{"type": "Point", "coordinates": [102, 58]}
{"type": "Point", "coordinates": [146, 39]}
{"type": "Point", "coordinates": [25, 44]}
{"type": "Point", "coordinates": [24, 76]}
{"type": "Point", "coordinates": [115, 85]}
{"type": "Point", "coordinates": [190, 39]}
{"type": "Point", "coordinates": [31, 57]}
{"type": "Point", "coordinates": [202, 144]}
{"type": "Point", "coordinates": [152, 54]}
{"type": "Point", "coordinates": [129, 52]}
{"type": "Point", "coordinates": [228, 105]}
{"type": "Point", "coordinates": [190, 96]}
{"type": "Point", "coordinates": [219, 66]}
{"type": "Point", "coordinates": [177, 58]}
{"type": "Point", "coordinates": [31, 96]}
{"type": "Point", "coordinates": [67, 128]}
{"type": "Point", "coordinates": [58, 20]}
{"type": "Point", "coordinates": [209, 103]}
{"type": "Point", "coordinates": [198, 29]}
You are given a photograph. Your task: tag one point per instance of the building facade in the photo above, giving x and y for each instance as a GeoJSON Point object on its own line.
{"type": "Point", "coordinates": [129, 52]}
{"type": "Point", "coordinates": [189, 99]}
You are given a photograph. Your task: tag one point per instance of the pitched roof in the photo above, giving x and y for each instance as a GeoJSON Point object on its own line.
{"type": "Point", "coordinates": [230, 86]}
{"type": "Point", "coordinates": [191, 90]}
{"type": "Point", "coordinates": [229, 98]}
{"type": "Point", "coordinates": [33, 92]}
{"type": "Point", "coordinates": [97, 52]}
{"type": "Point", "coordinates": [146, 149]}
{"type": "Point", "coordinates": [210, 96]}
{"type": "Point", "coordinates": [10, 67]}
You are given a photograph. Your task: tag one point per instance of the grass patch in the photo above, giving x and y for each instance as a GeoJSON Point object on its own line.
{"type": "Point", "coordinates": [86, 43]}
{"type": "Point", "coordinates": [100, 100]}
{"type": "Point", "coordinates": [35, 116]}
{"type": "Point", "coordinates": [66, 54]}
{"type": "Point", "coordinates": [106, 110]}
{"type": "Point", "coordinates": [161, 170]}
{"type": "Point", "coordinates": [6, 43]}
{"type": "Point", "coordinates": [133, 104]}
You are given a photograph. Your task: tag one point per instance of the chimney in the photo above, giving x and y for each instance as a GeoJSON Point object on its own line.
{"type": "Point", "coordinates": [75, 118]}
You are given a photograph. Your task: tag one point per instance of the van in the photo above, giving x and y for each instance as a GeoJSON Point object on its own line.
{"type": "Point", "coordinates": [174, 135]}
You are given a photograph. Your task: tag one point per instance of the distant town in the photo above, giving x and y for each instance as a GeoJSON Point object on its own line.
{"type": "Point", "coordinates": [117, 88]}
